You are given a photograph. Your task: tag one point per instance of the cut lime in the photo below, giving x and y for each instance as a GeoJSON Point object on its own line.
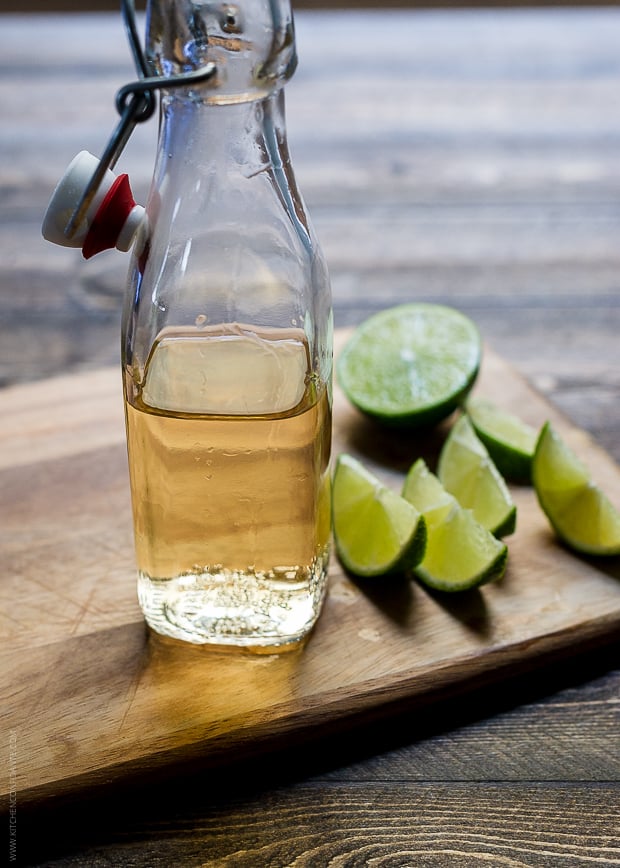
{"type": "Point", "coordinates": [410, 365]}
{"type": "Point", "coordinates": [466, 470]}
{"type": "Point", "coordinates": [460, 553]}
{"type": "Point", "coordinates": [375, 530]}
{"type": "Point", "coordinates": [509, 440]}
{"type": "Point", "coordinates": [581, 514]}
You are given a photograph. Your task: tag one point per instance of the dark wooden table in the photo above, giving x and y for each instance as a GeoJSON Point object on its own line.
{"type": "Point", "coordinates": [465, 157]}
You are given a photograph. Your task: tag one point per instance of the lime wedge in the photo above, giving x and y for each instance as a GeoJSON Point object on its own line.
{"type": "Point", "coordinates": [460, 553]}
{"type": "Point", "coordinates": [581, 514]}
{"type": "Point", "coordinates": [509, 440]}
{"type": "Point", "coordinates": [410, 365]}
{"type": "Point", "coordinates": [375, 530]}
{"type": "Point", "coordinates": [466, 470]}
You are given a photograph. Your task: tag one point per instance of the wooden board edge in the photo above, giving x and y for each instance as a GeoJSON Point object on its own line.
{"type": "Point", "coordinates": [328, 719]}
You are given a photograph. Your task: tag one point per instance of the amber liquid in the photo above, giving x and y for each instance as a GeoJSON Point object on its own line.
{"type": "Point", "coordinates": [231, 511]}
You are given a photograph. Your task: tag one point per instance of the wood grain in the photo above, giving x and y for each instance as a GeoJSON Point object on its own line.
{"type": "Point", "coordinates": [309, 831]}
{"type": "Point", "coordinates": [94, 699]}
{"type": "Point", "coordinates": [466, 157]}
{"type": "Point", "coordinates": [405, 824]}
{"type": "Point", "coordinates": [110, 5]}
{"type": "Point", "coordinates": [473, 162]}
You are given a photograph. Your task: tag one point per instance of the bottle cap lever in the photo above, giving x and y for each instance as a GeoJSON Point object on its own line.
{"type": "Point", "coordinates": [111, 220]}
{"type": "Point", "coordinates": [91, 208]}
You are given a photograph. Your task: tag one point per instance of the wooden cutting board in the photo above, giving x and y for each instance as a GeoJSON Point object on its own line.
{"type": "Point", "coordinates": [90, 698]}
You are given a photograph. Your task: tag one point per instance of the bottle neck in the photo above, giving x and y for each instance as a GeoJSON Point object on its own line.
{"type": "Point", "coordinates": [234, 157]}
{"type": "Point", "coordinates": [251, 43]}
{"type": "Point", "coordinates": [241, 137]}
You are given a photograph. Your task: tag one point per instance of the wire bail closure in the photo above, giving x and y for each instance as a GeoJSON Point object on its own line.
{"type": "Point", "coordinates": [135, 103]}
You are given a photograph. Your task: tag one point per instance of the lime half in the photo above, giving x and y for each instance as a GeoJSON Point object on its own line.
{"type": "Point", "coordinates": [509, 440]}
{"type": "Point", "coordinates": [375, 530]}
{"type": "Point", "coordinates": [410, 365]}
{"type": "Point", "coordinates": [467, 471]}
{"type": "Point", "coordinates": [460, 553]}
{"type": "Point", "coordinates": [581, 514]}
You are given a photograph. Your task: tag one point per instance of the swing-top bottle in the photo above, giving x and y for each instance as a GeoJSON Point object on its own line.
{"type": "Point", "coordinates": [226, 345]}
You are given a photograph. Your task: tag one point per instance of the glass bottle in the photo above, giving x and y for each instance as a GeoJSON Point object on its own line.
{"type": "Point", "coordinates": [227, 345]}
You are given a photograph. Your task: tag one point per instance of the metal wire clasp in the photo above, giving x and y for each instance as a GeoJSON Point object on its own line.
{"type": "Point", "coordinates": [135, 103]}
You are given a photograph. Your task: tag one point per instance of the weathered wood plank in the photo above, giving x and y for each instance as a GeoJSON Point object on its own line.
{"type": "Point", "coordinates": [84, 718]}
{"type": "Point", "coordinates": [37, 6]}
{"type": "Point", "coordinates": [385, 823]}
{"type": "Point", "coordinates": [500, 745]}
{"type": "Point", "coordinates": [464, 157]}
{"type": "Point", "coordinates": [471, 161]}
